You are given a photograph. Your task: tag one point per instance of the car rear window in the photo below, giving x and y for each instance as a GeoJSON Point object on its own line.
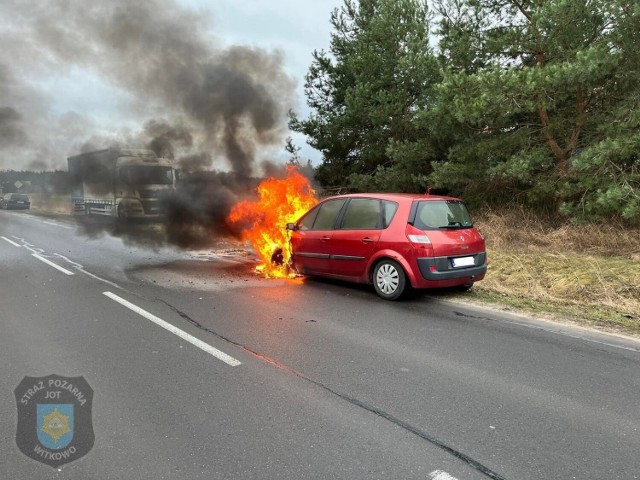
{"type": "Point", "coordinates": [17, 196]}
{"type": "Point", "coordinates": [442, 214]}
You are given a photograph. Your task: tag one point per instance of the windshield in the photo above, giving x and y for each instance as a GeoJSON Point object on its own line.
{"type": "Point", "coordinates": [442, 214]}
{"type": "Point", "coordinates": [147, 175]}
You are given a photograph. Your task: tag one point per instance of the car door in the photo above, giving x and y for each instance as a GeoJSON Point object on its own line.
{"type": "Point", "coordinates": [354, 241]}
{"type": "Point", "coordinates": [311, 239]}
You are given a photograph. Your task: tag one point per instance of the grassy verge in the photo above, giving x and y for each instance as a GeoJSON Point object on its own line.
{"type": "Point", "coordinates": [586, 274]}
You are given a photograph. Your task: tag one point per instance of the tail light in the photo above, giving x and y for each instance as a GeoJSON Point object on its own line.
{"type": "Point", "coordinates": [419, 239]}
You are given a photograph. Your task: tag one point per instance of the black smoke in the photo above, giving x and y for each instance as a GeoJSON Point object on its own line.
{"type": "Point", "coordinates": [208, 106]}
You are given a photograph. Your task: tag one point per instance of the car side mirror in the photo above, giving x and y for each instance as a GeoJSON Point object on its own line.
{"type": "Point", "coordinates": [291, 226]}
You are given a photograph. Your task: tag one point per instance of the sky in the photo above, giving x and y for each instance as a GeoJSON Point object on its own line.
{"type": "Point", "coordinates": [207, 82]}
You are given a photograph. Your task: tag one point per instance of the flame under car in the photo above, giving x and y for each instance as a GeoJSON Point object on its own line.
{"type": "Point", "coordinates": [393, 241]}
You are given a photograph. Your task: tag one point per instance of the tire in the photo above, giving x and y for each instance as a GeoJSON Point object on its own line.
{"type": "Point", "coordinates": [278, 257]}
{"type": "Point", "coordinates": [389, 279]}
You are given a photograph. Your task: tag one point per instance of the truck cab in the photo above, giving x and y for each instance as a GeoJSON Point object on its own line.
{"type": "Point", "coordinates": [123, 183]}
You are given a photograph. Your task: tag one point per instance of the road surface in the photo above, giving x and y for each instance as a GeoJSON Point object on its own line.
{"type": "Point", "coordinates": [202, 370]}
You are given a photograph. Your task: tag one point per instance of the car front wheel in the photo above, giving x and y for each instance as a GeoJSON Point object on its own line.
{"type": "Point", "coordinates": [389, 280]}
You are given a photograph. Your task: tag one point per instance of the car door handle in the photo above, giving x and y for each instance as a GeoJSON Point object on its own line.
{"type": "Point", "coordinates": [367, 240]}
{"type": "Point", "coordinates": [325, 239]}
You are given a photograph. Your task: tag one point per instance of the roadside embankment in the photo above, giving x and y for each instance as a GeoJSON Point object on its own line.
{"type": "Point", "coordinates": [588, 274]}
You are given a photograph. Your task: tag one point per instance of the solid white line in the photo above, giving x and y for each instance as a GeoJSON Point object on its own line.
{"type": "Point", "coordinates": [229, 360]}
{"type": "Point", "coordinates": [10, 241]}
{"type": "Point", "coordinates": [441, 475]}
{"type": "Point", "coordinates": [49, 262]}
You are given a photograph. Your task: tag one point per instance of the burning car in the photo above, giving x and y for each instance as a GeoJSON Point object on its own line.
{"type": "Point", "coordinates": [393, 241]}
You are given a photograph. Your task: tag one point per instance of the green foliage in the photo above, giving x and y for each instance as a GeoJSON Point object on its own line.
{"type": "Point", "coordinates": [545, 101]}
{"type": "Point", "coordinates": [527, 101]}
{"type": "Point", "coordinates": [34, 182]}
{"type": "Point", "coordinates": [367, 91]}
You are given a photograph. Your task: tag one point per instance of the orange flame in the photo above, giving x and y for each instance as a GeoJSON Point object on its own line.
{"type": "Point", "coordinates": [280, 201]}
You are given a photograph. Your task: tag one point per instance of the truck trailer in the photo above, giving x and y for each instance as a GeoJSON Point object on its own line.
{"type": "Point", "coordinates": [119, 182]}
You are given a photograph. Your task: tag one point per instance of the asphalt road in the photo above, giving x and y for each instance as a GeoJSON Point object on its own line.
{"type": "Point", "coordinates": [200, 369]}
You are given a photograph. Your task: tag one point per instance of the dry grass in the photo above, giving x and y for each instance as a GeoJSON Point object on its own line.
{"type": "Point", "coordinates": [51, 204]}
{"type": "Point", "coordinates": [589, 272]}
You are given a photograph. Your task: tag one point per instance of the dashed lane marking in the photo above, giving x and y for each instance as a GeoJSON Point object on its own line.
{"type": "Point", "coordinates": [10, 241]}
{"type": "Point", "coordinates": [441, 475]}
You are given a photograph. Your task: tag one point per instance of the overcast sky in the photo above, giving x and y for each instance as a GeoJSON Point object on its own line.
{"type": "Point", "coordinates": [74, 75]}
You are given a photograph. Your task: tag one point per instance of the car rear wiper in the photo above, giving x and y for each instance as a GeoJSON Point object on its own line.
{"type": "Point", "coordinates": [454, 225]}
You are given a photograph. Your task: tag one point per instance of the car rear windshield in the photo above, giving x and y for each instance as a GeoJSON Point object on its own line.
{"type": "Point", "coordinates": [442, 214]}
{"type": "Point", "coordinates": [18, 196]}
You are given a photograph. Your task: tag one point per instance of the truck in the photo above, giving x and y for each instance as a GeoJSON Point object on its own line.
{"type": "Point", "coordinates": [120, 182]}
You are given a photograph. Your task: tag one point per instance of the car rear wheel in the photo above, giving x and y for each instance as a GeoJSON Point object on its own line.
{"type": "Point", "coordinates": [389, 280]}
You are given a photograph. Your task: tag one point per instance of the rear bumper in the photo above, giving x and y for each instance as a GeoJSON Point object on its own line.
{"type": "Point", "coordinates": [441, 268]}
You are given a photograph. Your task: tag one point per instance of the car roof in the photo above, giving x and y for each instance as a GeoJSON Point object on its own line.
{"type": "Point", "coordinates": [397, 196]}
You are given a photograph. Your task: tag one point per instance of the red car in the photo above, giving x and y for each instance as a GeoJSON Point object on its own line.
{"type": "Point", "coordinates": [392, 241]}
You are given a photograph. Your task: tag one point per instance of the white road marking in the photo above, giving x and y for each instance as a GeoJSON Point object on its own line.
{"type": "Point", "coordinates": [58, 225]}
{"type": "Point", "coordinates": [48, 222]}
{"type": "Point", "coordinates": [11, 242]}
{"type": "Point", "coordinates": [441, 475]}
{"type": "Point", "coordinates": [229, 360]}
{"type": "Point", "coordinates": [28, 245]}
{"type": "Point", "coordinates": [81, 269]}
{"type": "Point", "coordinates": [49, 262]}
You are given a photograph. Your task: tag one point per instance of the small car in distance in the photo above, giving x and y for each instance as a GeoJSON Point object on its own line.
{"type": "Point", "coordinates": [392, 241]}
{"type": "Point", "coordinates": [15, 201]}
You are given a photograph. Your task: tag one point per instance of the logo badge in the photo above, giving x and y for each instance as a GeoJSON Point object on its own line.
{"type": "Point", "coordinates": [54, 419]}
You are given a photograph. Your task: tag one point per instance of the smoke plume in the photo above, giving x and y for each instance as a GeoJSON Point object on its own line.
{"type": "Point", "coordinates": [195, 93]}
{"type": "Point", "coordinates": [170, 85]}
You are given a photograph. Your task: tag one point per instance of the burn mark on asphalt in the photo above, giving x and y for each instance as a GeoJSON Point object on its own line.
{"type": "Point", "coordinates": [466, 315]}
{"type": "Point", "coordinates": [354, 401]}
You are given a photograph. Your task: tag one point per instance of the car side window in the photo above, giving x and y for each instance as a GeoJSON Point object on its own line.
{"type": "Point", "coordinates": [389, 209]}
{"type": "Point", "coordinates": [363, 214]}
{"type": "Point", "coordinates": [306, 222]}
{"type": "Point", "coordinates": [327, 214]}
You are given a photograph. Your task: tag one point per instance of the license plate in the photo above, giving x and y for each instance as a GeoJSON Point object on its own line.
{"type": "Point", "coordinates": [19, 201]}
{"type": "Point", "coordinates": [463, 262]}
